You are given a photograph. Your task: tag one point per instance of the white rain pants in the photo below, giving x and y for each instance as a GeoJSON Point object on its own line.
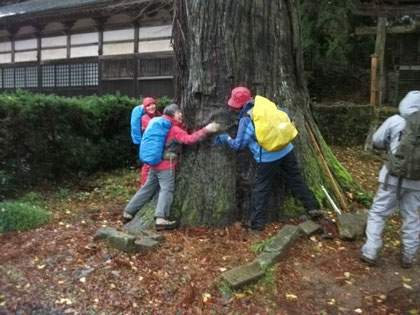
{"type": "Point", "coordinates": [384, 204]}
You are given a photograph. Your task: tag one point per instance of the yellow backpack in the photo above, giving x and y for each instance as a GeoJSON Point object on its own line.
{"type": "Point", "coordinates": [273, 127]}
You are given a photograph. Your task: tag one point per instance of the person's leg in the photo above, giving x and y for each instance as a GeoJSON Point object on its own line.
{"type": "Point", "coordinates": [265, 173]}
{"type": "Point", "coordinates": [383, 205]}
{"type": "Point", "coordinates": [167, 186]}
{"type": "Point", "coordinates": [144, 171]}
{"type": "Point", "coordinates": [409, 210]}
{"type": "Point", "coordinates": [143, 195]}
{"type": "Point", "coordinates": [292, 176]}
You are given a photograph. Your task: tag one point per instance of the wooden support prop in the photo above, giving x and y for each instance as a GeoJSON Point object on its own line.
{"type": "Point", "coordinates": [326, 168]}
{"type": "Point", "coordinates": [373, 69]}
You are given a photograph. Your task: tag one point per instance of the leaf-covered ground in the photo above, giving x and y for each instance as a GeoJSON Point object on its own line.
{"type": "Point", "coordinates": [58, 269]}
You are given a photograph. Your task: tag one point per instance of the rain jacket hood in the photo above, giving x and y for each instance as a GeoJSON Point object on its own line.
{"type": "Point", "coordinates": [410, 103]}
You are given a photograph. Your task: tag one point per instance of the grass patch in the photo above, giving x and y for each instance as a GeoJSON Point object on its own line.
{"type": "Point", "coordinates": [260, 245]}
{"type": "Point", "coordinates": [225, 291]}
{"type": "Point", "coordinates": [21, 216]}
{"type": "Point", "coordinates": [269, 279]}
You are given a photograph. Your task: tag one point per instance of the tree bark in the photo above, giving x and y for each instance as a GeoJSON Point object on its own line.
{"type": "Point", "coordinates": [220, 44]}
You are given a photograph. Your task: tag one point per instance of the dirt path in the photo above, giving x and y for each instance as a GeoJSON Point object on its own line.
{"type": "Point", "coordinates": [57, 269]}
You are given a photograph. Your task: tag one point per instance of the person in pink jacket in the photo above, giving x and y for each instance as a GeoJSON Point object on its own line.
{"type": "Point", "coordinates": [163, 174]}
{"type": "Point", "coordinates": [150, 109]}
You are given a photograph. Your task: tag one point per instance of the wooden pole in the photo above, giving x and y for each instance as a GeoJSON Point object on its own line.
{"type": "Point", "coordinates": [373, 69]}
{"type": "Point", "coordinates": [380, 53]}
{"type": "Point", "coordinates": [326, 168]}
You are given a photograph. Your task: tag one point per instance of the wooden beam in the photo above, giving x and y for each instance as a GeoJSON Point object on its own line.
{"type": "Point", "coordinates": [388, 10]}
{"type": "Point", "coordinates": [400, 29]}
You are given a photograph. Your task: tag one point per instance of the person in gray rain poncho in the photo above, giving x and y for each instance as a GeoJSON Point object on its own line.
{"type": "Point", "coordinates": [396, 190]}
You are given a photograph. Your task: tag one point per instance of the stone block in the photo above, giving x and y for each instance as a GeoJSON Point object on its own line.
{"type": "Point", "coordinates": [267, 259]}
{"type": "Point", "coordinates": [116, 239]}
{"type": "Point", "coordinates": [283, 240]}
{"type": "Point", "coordinates": [243, 275]}
{"type": "Point", "coordinates": [148, 233]}
{"type": "Point", "coordinates": [309, 227]}
{"type": "Point", "coordinates": [145, 244]}
{"type": "Point", "coordinates": [351, 226]}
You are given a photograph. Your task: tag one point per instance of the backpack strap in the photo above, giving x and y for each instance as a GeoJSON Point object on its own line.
{"type": "Point", "coordinates": [399, 188]}
{"type": "Point", "coordinates": [386, 181]}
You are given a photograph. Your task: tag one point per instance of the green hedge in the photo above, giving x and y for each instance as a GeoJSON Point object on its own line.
{"type": "Point", "coordinates": [348, 124]}
{"type": "Point", "coordinates": [50, 137]}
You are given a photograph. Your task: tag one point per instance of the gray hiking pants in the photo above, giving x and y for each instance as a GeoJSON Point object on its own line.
{"type": "Point", "coordinates": [383, 205]}
{"type": "Point", "coordinates": [165, 179]}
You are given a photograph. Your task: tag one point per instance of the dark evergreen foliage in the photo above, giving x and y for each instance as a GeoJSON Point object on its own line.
{"type": "Point", "coordinates": [337, 62]}
{"type": "Point", "coordinates": [51, 138]}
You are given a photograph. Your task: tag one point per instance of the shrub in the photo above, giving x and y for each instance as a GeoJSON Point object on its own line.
{"type": "Point", "coordinates": [21, 216]}
{"type": "Point", "coordinates": [47, 137]}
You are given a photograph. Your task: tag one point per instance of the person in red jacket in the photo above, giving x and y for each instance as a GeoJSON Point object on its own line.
{"type": "Point", "coordinates": [150, 109]}
{"type": "Point", "coordinates": [163, 174]}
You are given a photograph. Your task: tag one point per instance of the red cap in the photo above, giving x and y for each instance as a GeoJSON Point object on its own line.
{"type": "Point", "coordinates": [239, 97]}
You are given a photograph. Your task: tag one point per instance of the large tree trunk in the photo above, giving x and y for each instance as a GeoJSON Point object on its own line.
{"type": "Point", "coordinates": [220, 44]}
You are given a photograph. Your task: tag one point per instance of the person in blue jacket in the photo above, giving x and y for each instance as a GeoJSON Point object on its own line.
{"type": "Point", "coordinates": [269, 164]}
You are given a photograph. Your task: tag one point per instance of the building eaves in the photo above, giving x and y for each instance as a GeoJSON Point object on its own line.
{"type": "Point", "coordinates": [47, 7]}
{"type": "Point", "coordinates": [42, 6]}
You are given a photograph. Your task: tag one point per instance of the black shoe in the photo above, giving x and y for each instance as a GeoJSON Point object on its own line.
{"type": "Point", "coordinates": [406, 263]}
{"type": "Point", "coordinates": [253, 231]}
{"type": "Point", "coordinates": [315, 213]}
{"type": "Point", "coordinates": [171, 225]}
{"type": "Point", "coordinates": [126, 217]}
{"type": "Point", "coordinates": [370, 262]}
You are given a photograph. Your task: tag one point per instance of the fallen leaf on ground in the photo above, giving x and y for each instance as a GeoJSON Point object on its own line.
{"type": "Point", "coordinates": [409, 287]}
{"type": "Point", "coordinates": [291, 296]}
{"type": "Point", "coordinates": [206, 296]}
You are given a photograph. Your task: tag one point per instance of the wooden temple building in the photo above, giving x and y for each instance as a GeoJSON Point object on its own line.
{"type": "Point", "coordinates": [82, 47]}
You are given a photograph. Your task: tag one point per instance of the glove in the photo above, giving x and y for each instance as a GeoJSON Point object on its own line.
{"type": "Point", "coordinates": [212, 127]}
{"type": "Point", "coordinates": [221, 139]}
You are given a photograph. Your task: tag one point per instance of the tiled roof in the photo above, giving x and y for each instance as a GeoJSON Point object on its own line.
{"type": "Point", "coordinates": [38, 6]}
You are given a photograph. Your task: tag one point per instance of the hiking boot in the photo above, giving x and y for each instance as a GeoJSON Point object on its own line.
{"type": "Point", "coordinates": [126, 217]}
{"type": "Point", "coordinates": [405, 262]}
{"type": "Point", "coordinates": [163, 224]}
{"type": "Point", "coordinates": [253, 230]}
{"type": "Point", "coordinates": [369, 261]}
{"type": "Point", "coordinates": [315, 213]}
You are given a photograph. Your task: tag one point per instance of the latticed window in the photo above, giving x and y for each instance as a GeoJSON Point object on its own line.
{"type": "Point", "coordinates": [76, 74]}
{"type": "Point", "coordinates": [20, 77]}
{"type": "Point", "coordinates": [48, 76]}
{"type": "Point", "coordinates": [91, 74]}
{"type": "Point", "coordinates": [166, 67]}
{"type": "Point", "coordinates": [62, 75]}
{"type": "Point", "coordinates": [1, 78]}
{"type": "Point", "coordinates": [9, 78]}
{"type": "Point", "coordinates": [31, 77]}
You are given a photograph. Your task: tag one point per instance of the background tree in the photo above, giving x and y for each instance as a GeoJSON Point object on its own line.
{"type": "Point", "coordinates": [337, 62]}
{"type": "Point", "coordinates": [218, 45]}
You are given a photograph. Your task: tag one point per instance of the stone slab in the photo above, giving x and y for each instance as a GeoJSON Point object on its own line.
{"type": "Point", "coordinates": [352, 226]}
{"type": "Point", "coordinates": [145, 244]}
{"type": "Point", "coordinates": [283, 239]}
{"type": "Point", "coordinates": [309, 227]}
{"type": "Point", "coordinates": [243, 275]}
{"type": "Point", "coordinates": [116, 239]}
{"type": "Point", "coordinates": [267, 259]}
